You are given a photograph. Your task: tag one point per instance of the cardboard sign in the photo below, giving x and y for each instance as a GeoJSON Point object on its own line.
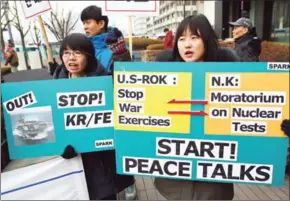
{"type": "Point", "coordinates": [43, 117]}
{"type": "Point", "coordinates": [131, 7]}
{"type": "Point", "coordinates": [202, 121]}
{"type": "Point", "coordinates": [33, 8]}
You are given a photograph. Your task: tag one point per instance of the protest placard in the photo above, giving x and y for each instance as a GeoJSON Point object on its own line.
{"type": "Point", "coordinates": [202, 121]}
{"type": "Point", "coordinates": [43, 117]}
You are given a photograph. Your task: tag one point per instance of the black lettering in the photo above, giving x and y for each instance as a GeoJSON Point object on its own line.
{"type": "Point", "coordinates": [73, 97]}
{"type": "Point", "coordinates": [205, 166]}
{"type": "Point", "coordinates": [166, 168]}
{"type": "Point", "coordinates": [124, 107]}
{"type": "Point", "coordinates": [25, 98]}
{"type": "Point", "coordinates": [246, 172]}
{"type": "Point", "coordinates": [18, 103]}
{"type": "Point", "coordinates": [219, 171]}
{"type": "Point", "coordinates": [145, 79]}
{"type": "Point", "coordinates": [206, 147]}
{"type": "Point", "coordinates": [162, 145]}
{"type": "Point", "coordinates": [121, 93]}
{"type": "Point", "coordinates": [262, 128]}
{"type": "Point", "coordinates": [28, 3]}
{"type": "Point", "coordinates": [182, 168]}
{"type": "Point", "coordinates": [162, 79]}
{"type": "Point", "coordinates": [107, 117]}
{"type": "Point", "coordinates": [130, 163]}
{"type": "Point", "coordinates": [222, 146]}
{"type": "Point", "coordinates": [215, 81]}
{"type": "Point", "coordinates": [230, 173]}
{"type": "Point", "coordinates": [122, 119]}
{"type": "Point", "coordinates": [229, 81]}
{"type": "Point", "coordinates": [98, 116]}
{"type": "Point", "coordinates": [166, 122]}
{"type": "Point", "coordinates": [82, 99]}
{"type": "Point", "coordinates": [10, 106]}
{"type": "Point", "coordinates": [156, 167]}
{"type": "Point", "coordinates": [178, 143]}
{"type": "Point", "coordinates": [70, 120]}
{"type": "Point", "coordinates": [142, 163]}
{"type": "Point", "coordinates": [133, 79]}
{"type": "Point", "coordinates": [121, 78]}
{"type": "Point", "coordinates": [81, 119]}
{"type": "Point", "coordinates": [191, 148]}
{"type": "Point", "coordinates": [263, 171]}
{"type": "Point", "coordinates": [62, 101]}
{"type": "Point", "coordinates": [92, 97]}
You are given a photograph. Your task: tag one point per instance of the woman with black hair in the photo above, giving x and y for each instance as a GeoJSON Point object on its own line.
{"type": "Point", "coordinates": [196, 41]}
{"type": "Point", "coordinates": [77, 54]}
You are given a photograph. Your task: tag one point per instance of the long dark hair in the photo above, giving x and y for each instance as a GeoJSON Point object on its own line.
{"type": "Point", "coordinates": [200, 26]}
{"type": "Point", "coordinates": [82, 43]}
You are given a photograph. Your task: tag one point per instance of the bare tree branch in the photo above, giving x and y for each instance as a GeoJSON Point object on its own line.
{"type": "Point", "coordinates": [60, 25]}
{"type": "Point", "coordinates": [17, 24]}
{"type": "Point", "coordinates": [28, 29]}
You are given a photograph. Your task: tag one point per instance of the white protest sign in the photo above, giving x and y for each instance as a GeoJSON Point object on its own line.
{"type": "Point", "coordinates": [54, 179]}
{"type": "Point", "coordinates": [131, 7]}
{"type": "Point", "coordinates": [33, 8]}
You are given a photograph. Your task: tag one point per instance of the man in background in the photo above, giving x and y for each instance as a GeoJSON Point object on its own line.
{"type": "Point", "coordinates": [248, 46]}
{"type": "Point", "coordinates": [12, 58]}
{"type": "Point", "coordinates": [168, 40]}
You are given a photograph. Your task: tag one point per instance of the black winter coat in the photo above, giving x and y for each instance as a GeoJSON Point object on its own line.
{"type": "Point", "coordinates": [100, 167]}
{"type": "Point", "coordinates": [225, 54]}
{"type": "Point", "coordinates": [248, 48]}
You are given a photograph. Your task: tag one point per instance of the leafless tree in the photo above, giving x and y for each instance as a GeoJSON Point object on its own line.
{"type": "Point", "coordinates": [60, 24]}
{"type": "Point", "coordinates": [36, 38]}
{"type": "Point", "coordinates": [17, 24]}
{"type": "Point", "coordinates": [4, 20]}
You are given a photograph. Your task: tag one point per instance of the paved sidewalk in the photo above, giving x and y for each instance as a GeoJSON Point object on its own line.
{"type": "Point", "coordinates": [147, 191]}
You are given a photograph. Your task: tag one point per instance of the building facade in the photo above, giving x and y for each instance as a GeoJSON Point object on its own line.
{"type": "Point", "coordinates": [270, 17]}
{"type": "Point", "coordinates": [140, 28]}
{"type": "Point", "coordinates": [171, 14]}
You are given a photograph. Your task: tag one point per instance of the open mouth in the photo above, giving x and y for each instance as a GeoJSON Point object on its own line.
{"type": "Point", "coordinates": [73, 66]}
{"type": "Point", "coordinates": [188, 54]}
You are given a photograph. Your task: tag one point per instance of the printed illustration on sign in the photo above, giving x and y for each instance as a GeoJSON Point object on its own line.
{"type": "Point", "coordinates": [246, 104]}
{"type": "Point", "coordinates": [32, 126]}
{"type": "Point", "coordinates": [143, 101]}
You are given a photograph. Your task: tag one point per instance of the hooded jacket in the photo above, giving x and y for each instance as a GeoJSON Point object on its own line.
{"type": "Point", "coordinates": [174, 189]}
{"type": "Point", "coordinates": [100, 167]}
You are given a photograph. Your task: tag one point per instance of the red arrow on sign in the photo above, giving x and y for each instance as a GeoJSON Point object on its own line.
{"type": "Point", "coordinates": [173, 101]}
{"type": "Point", "coordinates": [202, 113]}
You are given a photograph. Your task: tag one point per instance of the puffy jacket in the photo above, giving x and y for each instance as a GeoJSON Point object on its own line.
{"type": "Point", "coordinates": [104, 54]}
{"type": "Point", "coordinates": [248, 48]}
{"type": "Point", "coordinates": [174, 189]}
{"type": "Point", "coordinates": [100, 167]}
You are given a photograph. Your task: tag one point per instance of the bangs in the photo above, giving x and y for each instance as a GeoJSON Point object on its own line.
{"type": "Point", "coordinates": [187, 24]}
{"type": "Point", "coordinates": [77, 42]}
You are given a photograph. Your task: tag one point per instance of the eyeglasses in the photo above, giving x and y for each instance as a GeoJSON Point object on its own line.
{"type": "Point", "coordinates": [67, 54]}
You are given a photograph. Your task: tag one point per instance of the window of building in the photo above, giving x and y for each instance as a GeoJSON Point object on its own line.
{"type": "Point", "coordinates": [280, 29]}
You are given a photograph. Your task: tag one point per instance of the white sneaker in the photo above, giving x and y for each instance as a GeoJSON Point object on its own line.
{"type": "Point", "coordinates": [131, 193]}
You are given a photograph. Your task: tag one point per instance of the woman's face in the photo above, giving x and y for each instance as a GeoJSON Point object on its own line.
{"type": "Point", "coordinates": [74, 61]}
{"type": "Point", "coordinates": [190, 47]}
